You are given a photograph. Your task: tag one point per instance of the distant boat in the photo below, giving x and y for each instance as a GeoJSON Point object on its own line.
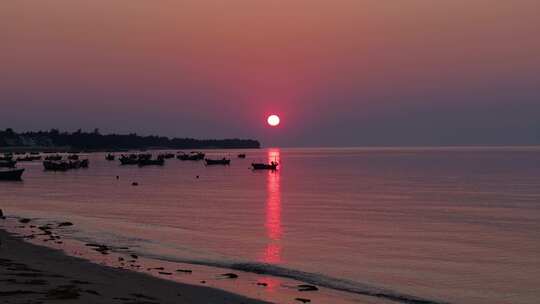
{"type": "Point", "coordinates": [12, 174]}
{"type": "Point", "coordinates": [7, 163]}
{"type": "Point", "coordinates": [51, 165]}
{"type": "Point", "coordinates": [242, 155]}
{"type": "Point", "coordinates": [28, 158]}
{"type": "Point", "coordinates": [262, 166]}
{"type": "Point", "coordinates": [129, 160]}
{"type": "Point", "coordinates": [54, 157]}
{"type": "Point", "coordinates": [191, 156]}
{"type": "Point", "coordinates": [73, 157]}
{"type": "Point", "coordinates": [110, 157]}
{"type": "Point", "coordinates": [223, 161]}
{"type": "Point", "coordinates": [167, 155]}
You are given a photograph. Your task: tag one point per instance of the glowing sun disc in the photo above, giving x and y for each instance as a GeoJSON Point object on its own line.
{"type": "Point", "coordinates": [273, 120]}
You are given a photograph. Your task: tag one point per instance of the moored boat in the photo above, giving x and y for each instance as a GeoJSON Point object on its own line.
{"type": "Point", "coordinates": [191, 156]}
{"type": "Point", "coordinates": [242, 155]}
{"type": "Point", "coordinates": [11, 174]}
{"type": "Point", "coordinates": [7, 163]}
{"type": "Point", "coordinates": [223, 161]}
{"type": "Point", "coordinates": [28, 158]}
{"type": "Point", "coordinates": [54, 157]}
{"type": "Point", "coordinates": [262, 166]}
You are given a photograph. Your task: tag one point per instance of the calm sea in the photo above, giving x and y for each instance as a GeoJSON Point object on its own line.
{"type": "Point", "coordinates": [458, 225]}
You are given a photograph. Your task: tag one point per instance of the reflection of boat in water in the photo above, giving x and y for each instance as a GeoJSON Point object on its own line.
{"type": "Point", "coordinates": [262, 166]}
{"type": "Point", "coordinates": [223, 161]}
{"type": "Point", "coordinates": [11, 174]}
{"type": "Point", "coordinates": [152, 162]}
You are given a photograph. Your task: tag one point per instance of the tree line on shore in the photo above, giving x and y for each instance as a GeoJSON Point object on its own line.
{"type": "Point", "coordinates": [82, 140]}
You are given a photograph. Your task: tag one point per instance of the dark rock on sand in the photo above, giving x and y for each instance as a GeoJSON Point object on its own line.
{"type": "Point", "coordinates": [230, 275]}
{"type": "Point", "coordinates": [165, 273]}
{"type": "Point", "coordinates": [24, 220]}
{"type": "Point", "coordinates": [184, 270]}
{"type": "Point", "coordinates": [134, 256]}
{"type": "Point", "coordinates": [303, 300]}
{"type": "Point", "coordinates": [64, 224]}
{"type": "Point", "coordinates": [305, 287]}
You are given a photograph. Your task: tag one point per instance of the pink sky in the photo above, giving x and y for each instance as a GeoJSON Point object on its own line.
{"type": "Point", "coordinates": [342, 72]}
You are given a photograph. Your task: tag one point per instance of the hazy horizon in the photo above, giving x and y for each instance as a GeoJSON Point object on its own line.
{"type": "Point", "coordinates": [345, 73]}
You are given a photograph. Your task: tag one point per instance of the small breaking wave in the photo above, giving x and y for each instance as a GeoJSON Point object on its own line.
{"type": "Point", "coordinates": [315, 279]}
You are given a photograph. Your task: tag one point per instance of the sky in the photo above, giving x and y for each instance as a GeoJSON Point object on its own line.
{"type": "Point", "coordinates": [338, 73]}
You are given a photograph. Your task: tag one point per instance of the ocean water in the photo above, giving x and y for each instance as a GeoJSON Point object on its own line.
{"type": "Point", "coordinates": [439, 225]}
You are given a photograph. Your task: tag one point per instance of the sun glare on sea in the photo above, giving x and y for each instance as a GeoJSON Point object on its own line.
{"type": "Point", "coordinates": [273, 120]}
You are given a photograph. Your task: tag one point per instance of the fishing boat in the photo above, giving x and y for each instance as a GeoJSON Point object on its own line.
{"type": "Point", "coordinates": [28, 158]}
{"type": "Point", "coordinates": [242, 155]}
{"type": "Point", "coordinates": [54, 157]}
{"type": "Point", "coordinates": [129, 160]}
{"type": "Point", "coordinates": [191, 156]}
{"type": "Point", "coordinates": [7, 163]}
{"type": "Point", "coordinates": [262, 166]}
{"type": "Point", "coordinates": [167, 155]}
{"type": "Point", "coordinates": [11, 174]}
{"type": "Point", "coordinates": [53, 165]}
{"type": "Point", "coordinates": [223, 161]}
{"type": "Point", "coordinates": [73, 157]}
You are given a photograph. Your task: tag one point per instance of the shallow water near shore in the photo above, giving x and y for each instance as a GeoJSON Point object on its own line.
{"type": "Point", "coordinates": [456, 225]}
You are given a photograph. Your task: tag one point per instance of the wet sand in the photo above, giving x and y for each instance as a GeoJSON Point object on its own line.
{"type": "Point", "coordinates": [38, 274]}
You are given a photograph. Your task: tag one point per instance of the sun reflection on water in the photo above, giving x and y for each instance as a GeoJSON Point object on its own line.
{"type": "Point", "coordinates": [272, 253]}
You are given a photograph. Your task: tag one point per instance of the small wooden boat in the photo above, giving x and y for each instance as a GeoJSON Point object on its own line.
{"type": "Point", "coordinates": [28, 158]}
{"type": "Point", "coordinates": [223, 161]}
{"type": "Point", "coordinates": [191, 156]}
{"type": "Point", "coordinates": [73, 157]}
{"type": "Point", "coordinates": [54, 157]}
{"type": "Point", "coordinates": [12, 174]}
{"type": "Point", "coordinates": [52, 165]}
{"type": "Point", "coordinates": [6, 157]}
{"type": "Point", "coordinates": [166, 155]}
{"type": "Point", "coordinates": [7, 163]}
{"type": "Point", "coordinates": [129, 160]}
{"type": "Point", "coordinates": [262, 166]}
{"type": "Point", "coordinates": [242, 155]}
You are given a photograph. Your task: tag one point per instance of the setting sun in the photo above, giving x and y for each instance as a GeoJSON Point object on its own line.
{"type": "Point", "coordinates": [273, 120]}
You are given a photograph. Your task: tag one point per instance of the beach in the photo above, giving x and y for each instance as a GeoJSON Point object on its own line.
{"type": "Point", "coordinates": [38, 274]}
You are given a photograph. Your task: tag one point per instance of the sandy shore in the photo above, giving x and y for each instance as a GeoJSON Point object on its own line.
{"type": "Point", "coordinates": [37, 274]}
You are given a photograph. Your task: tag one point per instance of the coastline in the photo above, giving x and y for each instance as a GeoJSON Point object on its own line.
{"type": "Point", "coordinates": [41, 263]}
{"type": "Point", "coordinates": [31, 273]}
